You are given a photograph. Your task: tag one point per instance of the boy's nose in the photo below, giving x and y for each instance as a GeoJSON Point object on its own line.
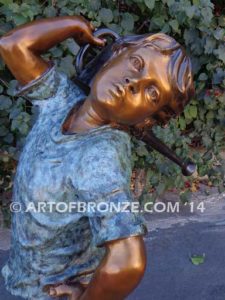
{"type": "Point", "coordinates": [131, 87]}
{"type": "Point", "coordinates": [130, 80]}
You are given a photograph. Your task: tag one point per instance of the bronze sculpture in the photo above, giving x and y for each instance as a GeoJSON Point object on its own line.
{"type": "Point", "coordinates": [144, 81]}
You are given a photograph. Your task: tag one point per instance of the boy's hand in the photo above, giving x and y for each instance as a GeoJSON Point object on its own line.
{"type": "Point", "coordinates": [73, 292]}
{"type": "Point", "coordinates": [21, 48]}
{"type": "Point", "coordinates": [84, 34]}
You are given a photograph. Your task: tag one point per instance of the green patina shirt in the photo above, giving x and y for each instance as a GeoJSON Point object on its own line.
{"type": "Point", "coordinates": [49, 247]}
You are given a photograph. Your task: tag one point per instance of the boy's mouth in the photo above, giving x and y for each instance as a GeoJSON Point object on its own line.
{"type": "Point", "coordinates": [118, 90]}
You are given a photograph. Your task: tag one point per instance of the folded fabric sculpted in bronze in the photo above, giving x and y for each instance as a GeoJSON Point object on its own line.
{"type": "Point", "coordinates": [79, 152]}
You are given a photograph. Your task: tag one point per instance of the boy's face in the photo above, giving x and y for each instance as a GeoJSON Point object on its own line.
{"type": "Point", "coordinates": [133, 86]}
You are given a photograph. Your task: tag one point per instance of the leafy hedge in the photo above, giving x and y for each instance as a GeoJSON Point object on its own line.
{"type": "Point", "coordinates": [193, 23]}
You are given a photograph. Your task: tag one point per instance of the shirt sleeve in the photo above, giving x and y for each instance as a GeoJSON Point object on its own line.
{"type": "Point", "coordinates": [104, 185]}
{"type": "Point", "coordinates": [49, 85]}
{"type": "Point", "coordinates": [44, 87]}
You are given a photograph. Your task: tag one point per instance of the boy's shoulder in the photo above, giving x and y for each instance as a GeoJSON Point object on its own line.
{"type": "Point", "coordinates": [106, 138]}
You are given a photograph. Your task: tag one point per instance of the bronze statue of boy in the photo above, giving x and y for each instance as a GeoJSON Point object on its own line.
{"type": "Point", "coordinates": [78, 150]}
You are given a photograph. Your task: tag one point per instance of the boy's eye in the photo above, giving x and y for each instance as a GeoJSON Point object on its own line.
{"type": "Point", "coordinates": [137, 62]}
{"type": "Point", "coordinates": [152, 94]}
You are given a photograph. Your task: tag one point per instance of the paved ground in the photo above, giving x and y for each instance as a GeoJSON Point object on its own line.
{"type": "Point", "coordinates": [173, 238]}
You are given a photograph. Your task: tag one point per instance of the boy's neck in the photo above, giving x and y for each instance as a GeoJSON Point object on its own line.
{"type": "Point", "coordinates": [82, 118]}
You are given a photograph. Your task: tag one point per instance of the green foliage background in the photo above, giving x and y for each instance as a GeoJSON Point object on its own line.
{"type": "Point", "coordinates": [194, 23]}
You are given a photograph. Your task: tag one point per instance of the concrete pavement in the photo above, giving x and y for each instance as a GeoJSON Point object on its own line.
{"type": "Point", "coordinates": [173, 238]}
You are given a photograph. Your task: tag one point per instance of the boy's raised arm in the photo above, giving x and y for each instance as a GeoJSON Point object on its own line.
{"type": "Point", "coordinates": [22, 47]}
